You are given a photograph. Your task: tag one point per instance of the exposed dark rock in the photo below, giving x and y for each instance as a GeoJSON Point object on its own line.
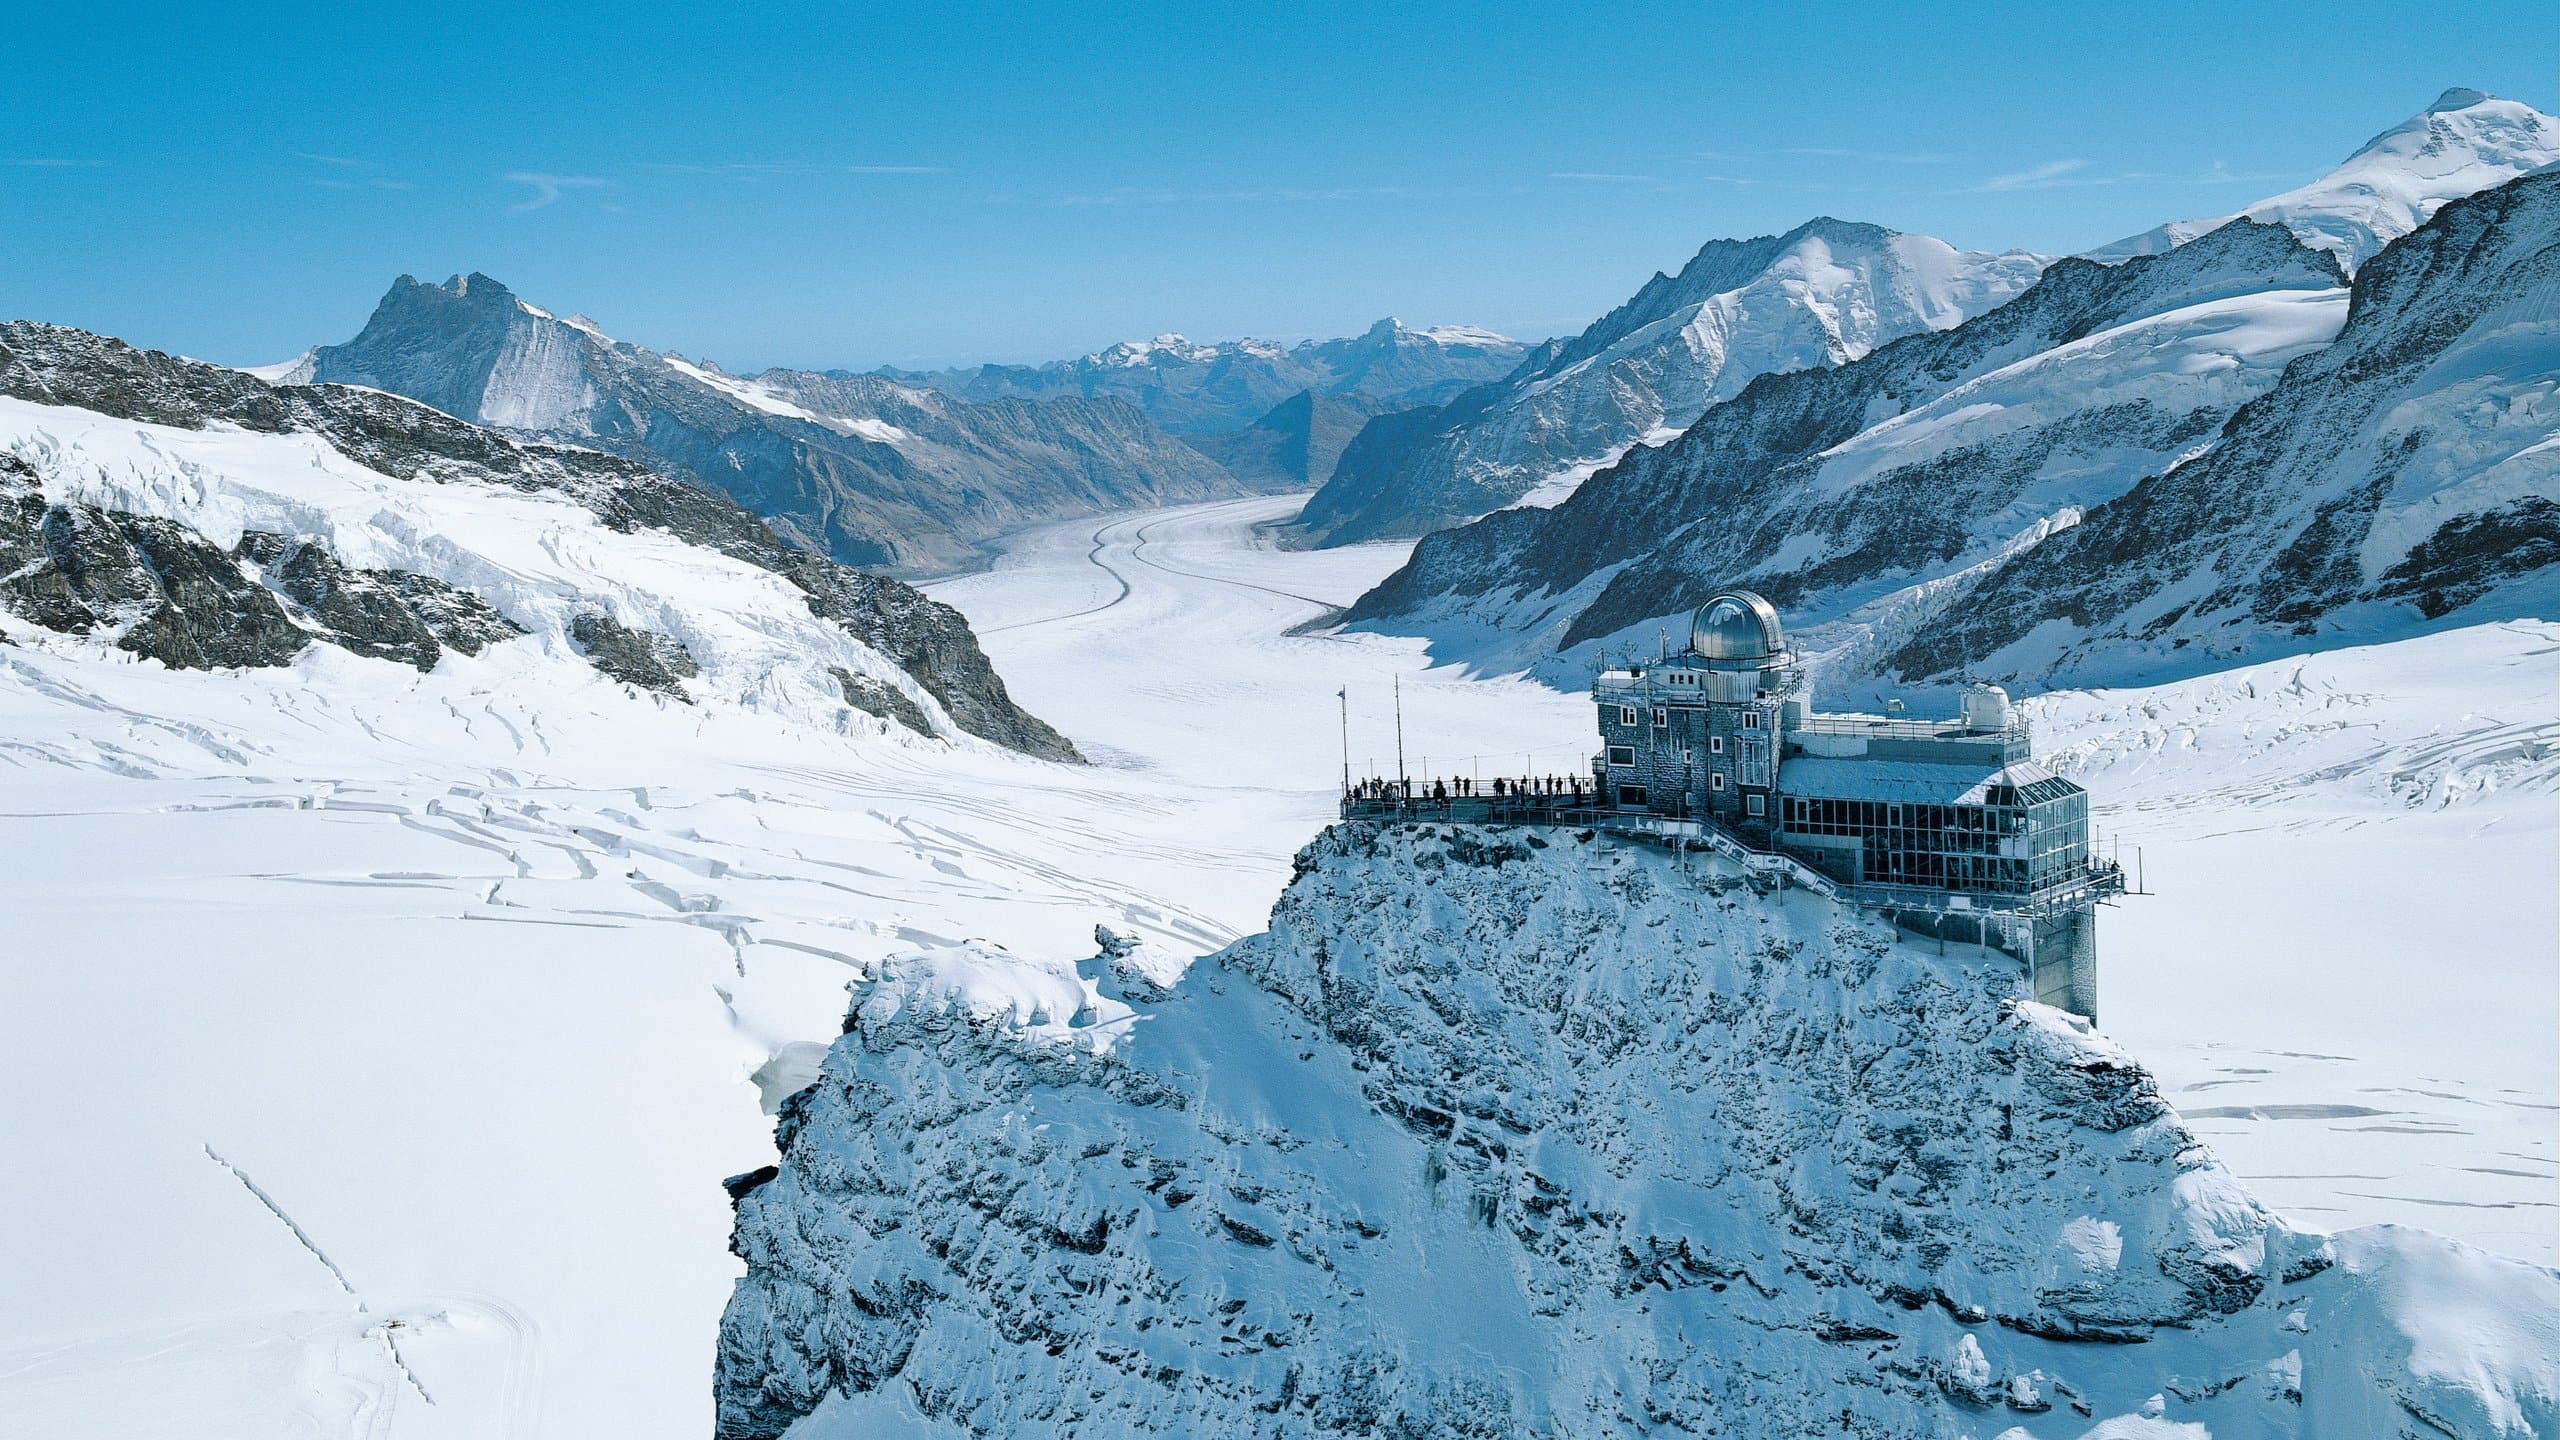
{"type": "Point", "coordinates": [460, 620]}
{"type": "Point", "coordinates": [357, 608]}
{"type": "Point", "coordinates": [176, 599]}
{"type": "Point", "coordinates": [875, 697]}
{"type": "Point", "coordinates": [635, 657]}
{"type": "Point", "coordinates": [383, 614]}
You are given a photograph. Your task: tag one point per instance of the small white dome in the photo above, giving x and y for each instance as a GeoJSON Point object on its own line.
{"type": "Point", "coordinates": [1736, 625]}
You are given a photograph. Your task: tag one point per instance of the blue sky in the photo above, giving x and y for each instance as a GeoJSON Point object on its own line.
{"type": "Point", "coordinates": [938, 183]}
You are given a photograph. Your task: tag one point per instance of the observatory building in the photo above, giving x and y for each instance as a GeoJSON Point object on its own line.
{"type": "Point", "coordinates": [1948, 824]}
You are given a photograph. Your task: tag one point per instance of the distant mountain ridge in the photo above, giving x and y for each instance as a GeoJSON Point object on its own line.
{"type": "Point", "coordinates": [870, 472]}
{"type": "Point", "coordinates": [1194, 389]}
{"type": "Point", "coordinates": [1822, 294]}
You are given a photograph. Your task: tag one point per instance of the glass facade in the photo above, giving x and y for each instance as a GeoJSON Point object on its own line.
{"type": "Point", "coordinates": [2021, 840]}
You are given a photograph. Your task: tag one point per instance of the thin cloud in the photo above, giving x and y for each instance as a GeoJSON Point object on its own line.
{"type": "Point", "coordinates": [757, 169]}
{"type": "Point", "coordinates": [1164, 195]}
{"type": "Point", "coordinates": [2060, 174]}
{"type": "Point", "coordinates": [2040, 177]}
{"type": "Point", "coordinates": [1872, 157]}
{"type": "Point", "coordinates": [1604, 177]}
{"type": "Point", "coordinates": [547, 187]}
{"type": "Point", "coordinates": [338, 161]}
{"type": "Point", "coordinates": [49, 162]}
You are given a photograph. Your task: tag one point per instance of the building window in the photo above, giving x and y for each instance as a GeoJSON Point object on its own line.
{"type": "Point", "coordinates": [1622, 754]}
{"type": "Point", "coordinates": [1626, 715]}
{"type": "Point", "coordinates": [1750, 719]}
{"type": "Point", "coordinates": [1715, 744]}
{"type": "Point", "coordinates": [1631, 795]}
{"type": "Point", "coordinates": [1756, 804]}
{"type": "Point", "coordinates": [1715, 782]}
{"type": "Point", "coordinates": [1661, 718]}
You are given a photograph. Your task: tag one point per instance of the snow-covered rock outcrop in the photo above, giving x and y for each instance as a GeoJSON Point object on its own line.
{"type": "Point", "coordinates": [1501, 1133]}
{"type": "Point", "coordinates": [1822, 294]}
{"type": "Point", "coordinates": [198, 516]}
{"type": "Point", "coordinates": [2466, 142]}
{"type": "Point", "coordinates": [867, 470]}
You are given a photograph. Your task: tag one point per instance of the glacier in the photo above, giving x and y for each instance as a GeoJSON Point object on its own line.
{"type": "Point", "coordinates": [485, 975]}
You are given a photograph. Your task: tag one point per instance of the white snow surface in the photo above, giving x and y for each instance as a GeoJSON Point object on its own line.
{"type": "Point", "coordinates": [2466, 142]}
{"type": "Point", "coordinates": [361, 1020]}
{"type": "Point", "coordinates": [2216, 355]}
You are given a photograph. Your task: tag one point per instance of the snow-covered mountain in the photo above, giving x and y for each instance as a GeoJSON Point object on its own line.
{"type": "Point", "coordinates": [874, 473]}
{"type": "Point", "coordinates": [1197, 389]}
{"type": "Point", "coordinates": [199, 517]}
{"type": "Point", "coordinates": [1827, 489]}
{"type": "Point", "coordinates": [1823, 294]}
{"type": "Point", "coordinates": [1537, 1134]}
{"type": "Point", "coordinates": [1866, 499]}
{"type": "Point", "coordinates": [2466, 142]}
{"type": "Point", "coordinates": [2404, 478]}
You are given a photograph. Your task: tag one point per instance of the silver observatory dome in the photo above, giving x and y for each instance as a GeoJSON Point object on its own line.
{"type": "Point", "coordinates": [1736, 625]}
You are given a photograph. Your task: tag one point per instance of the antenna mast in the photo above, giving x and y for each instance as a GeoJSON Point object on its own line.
{"type": "Point", "coordinates": [1344, 695]}
{"type": "Point", "coordinates": [1400, 775]}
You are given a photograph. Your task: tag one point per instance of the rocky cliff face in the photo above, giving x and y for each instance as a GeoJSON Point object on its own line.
{"type": "Point", "coordinates": [1198, 390]}
{"type": "Point", "coordinates": [2404, 477]}
{"type": "Point", "coordinates": [869, 472]}
{"type": "Point", "coordinates": [1828, 488]}
{"type": "Point", "coordinates": [1823, 294]}
{"type": "Point", "coordinates": [163, 585]}
{"type": "Point", "coordinates": [1500, 1133]}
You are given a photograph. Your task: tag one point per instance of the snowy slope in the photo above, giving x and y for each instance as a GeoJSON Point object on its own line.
{"type": "Point", "coordinates": [2464, 143]}
{"type": "Point", "coordinates": [1823, 294]}
{"type": "Point", "coordinates": [871, 472]}
{"type": "Point", "coordinates": [1501, 1133]}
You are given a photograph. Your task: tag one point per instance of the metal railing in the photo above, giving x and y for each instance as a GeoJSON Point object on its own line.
{"type": "Point", "coordinates": [1891, 728]}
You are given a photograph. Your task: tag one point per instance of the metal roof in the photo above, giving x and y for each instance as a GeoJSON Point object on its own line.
{"type": "Point", "coordinates": [1911, 782]}
{"type": "Point", "coordinates": [1736, 625]}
